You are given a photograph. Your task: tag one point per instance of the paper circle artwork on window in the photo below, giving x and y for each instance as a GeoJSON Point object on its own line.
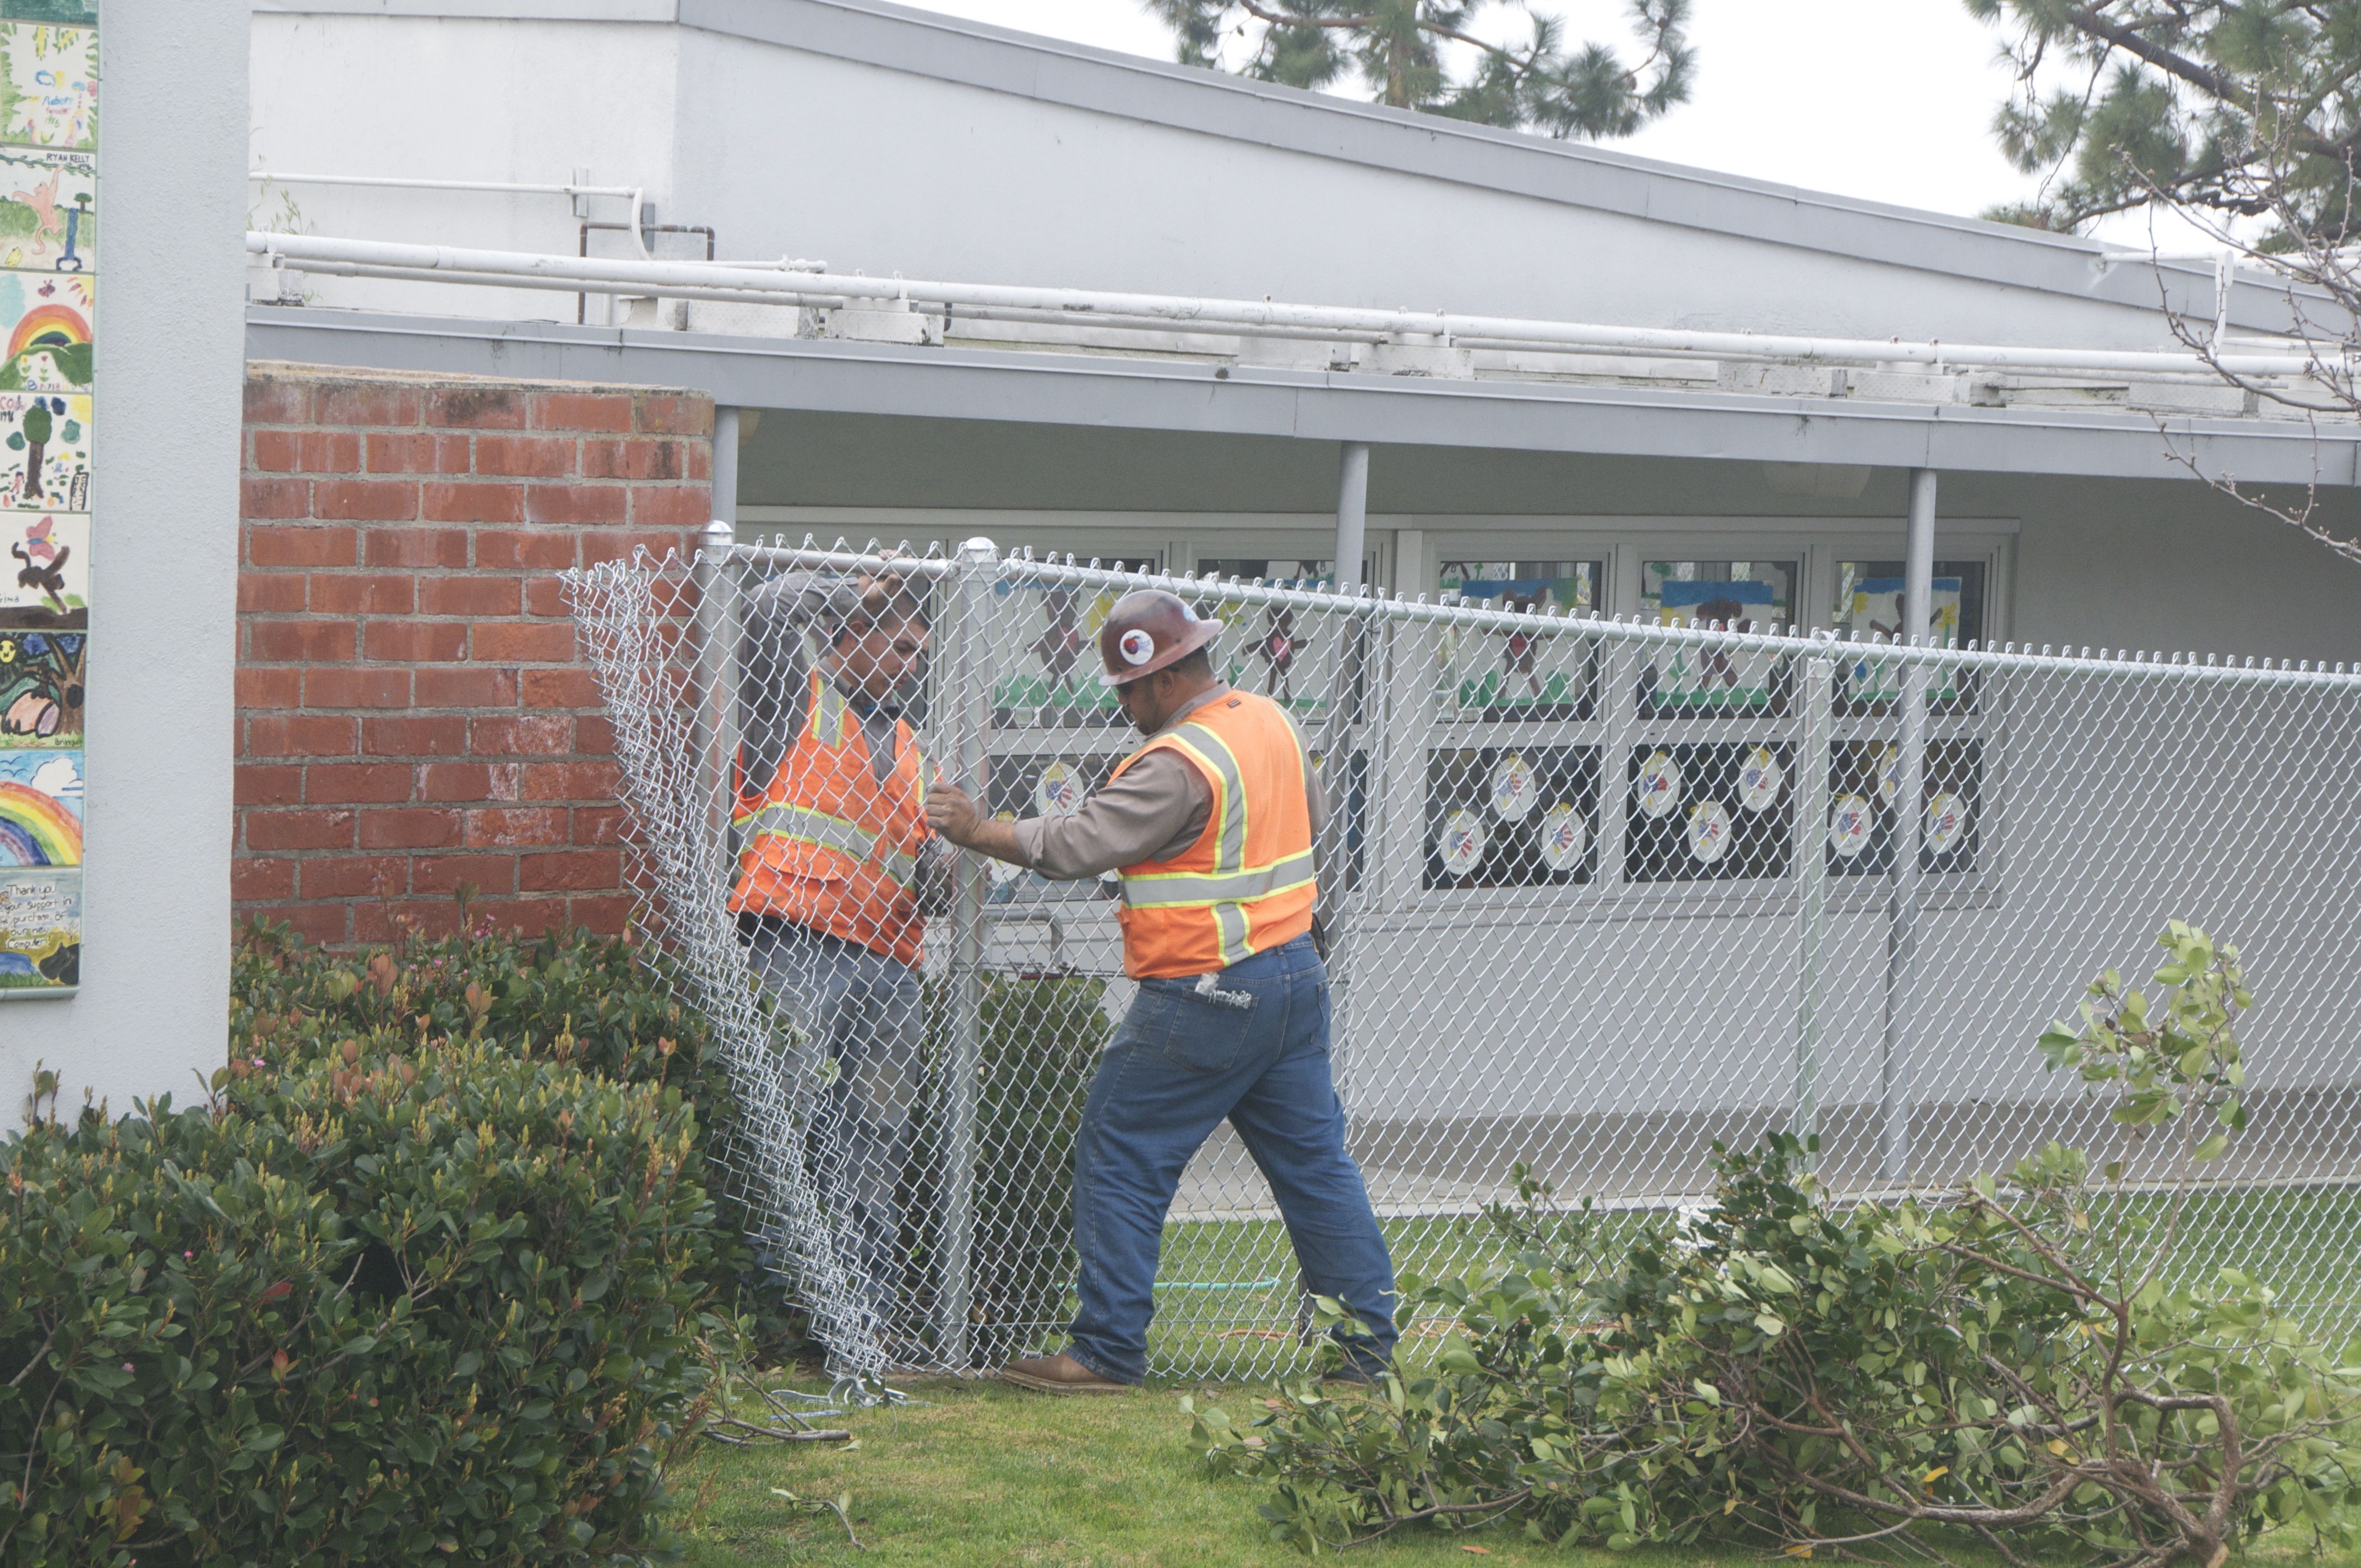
{"type": "Point", "coordinates": [1660, 785]}
{"type": "Point", "coordinates": [1848, 826]}
{"type": "Point", "coordinates": [1889, 773]}
{"type": "Point", "coordinates": [1515, 790]}
{"type": "Point", "coordinates": [1947, 822]}
{"type": "Point", "coordinates": [1463, 842]}
{"type": "Point", "coordinates": [1710, 830]}
{"type": "Point", "coordinates": [1760, 780]}
{"type": "Point", "coordinates": [1060, 792]}
{"type": "Point", "coordinates": [1564, 838]}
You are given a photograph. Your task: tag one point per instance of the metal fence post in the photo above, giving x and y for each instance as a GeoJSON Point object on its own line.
{"type": "Point", "coordinates": [1909, 812]}
{"type": "Point", "coordinates": [715, 720]}
{"type": "Point", "coordinates": [1812, 873]}
{"type": "Point", "coordinates": [967, 711]}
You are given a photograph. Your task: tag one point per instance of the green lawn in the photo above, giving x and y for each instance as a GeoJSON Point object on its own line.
{"type": "Point", "coordinates": [1226, 1291]}
{"type": "Point", "coordinates": [978, 1474]}
{"type": "Point", "coordinates": [981, 1475]}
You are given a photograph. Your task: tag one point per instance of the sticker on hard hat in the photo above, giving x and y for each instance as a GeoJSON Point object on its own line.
{"type": "Point", "coordinates": [1137, 647]}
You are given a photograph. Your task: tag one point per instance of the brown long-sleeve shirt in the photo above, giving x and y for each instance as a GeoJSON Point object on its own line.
{"type": "Point", "coordinates": [1158, 809]}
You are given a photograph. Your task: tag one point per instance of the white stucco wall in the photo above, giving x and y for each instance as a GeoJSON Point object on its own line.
{"type": "Point", "coordinates": [788, 152]}
{"type": "Point", "coordinates": [522, 103]}
{"type": "Point", "coordinates": [171, 358]}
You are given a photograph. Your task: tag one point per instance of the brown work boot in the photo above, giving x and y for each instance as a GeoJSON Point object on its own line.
{"type": "Point", "coordinates": [1058, 1374]}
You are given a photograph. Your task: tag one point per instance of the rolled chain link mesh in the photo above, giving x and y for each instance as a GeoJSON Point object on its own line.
{"type": "Point", "coordinates": [1599, 895]}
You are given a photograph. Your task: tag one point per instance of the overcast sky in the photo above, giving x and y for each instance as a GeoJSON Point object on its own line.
{"type": "Point", "coordinates": [1891, 100]}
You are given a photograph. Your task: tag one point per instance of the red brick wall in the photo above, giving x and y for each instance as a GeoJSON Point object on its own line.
{"type": "Point", "coordinates": [411, 713]}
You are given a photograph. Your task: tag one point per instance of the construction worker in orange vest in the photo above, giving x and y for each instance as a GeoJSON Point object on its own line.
{"type": "Point", "coordinates": [837, 871]}
{"type": "Point", "coordinates": [1211, 825]}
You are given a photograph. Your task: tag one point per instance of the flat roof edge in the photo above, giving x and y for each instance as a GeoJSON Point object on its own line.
{"type": "Point", "coordinates": [1087, 390]}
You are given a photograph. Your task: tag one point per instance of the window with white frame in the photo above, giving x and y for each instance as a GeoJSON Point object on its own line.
{"type": "Point", "coordinates": [1865, 752]}
{"type": "Point", "coordinates": [1607, 765]}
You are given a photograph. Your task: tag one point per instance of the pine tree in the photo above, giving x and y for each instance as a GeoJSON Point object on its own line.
{"type": "Point", "coordinates": [1401, 52]}
{"type": "Point", "coordinates": [2230, 109]}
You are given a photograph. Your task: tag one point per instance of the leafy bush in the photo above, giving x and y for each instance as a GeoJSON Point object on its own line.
{"type": "Point", "coordinates": [427, 1275]}
{"type": "Point", "coordinates": [599, 994]}
{"type": "Point", "coordinates": [374, 1308]}
{"type": "Point", "coordinates": [1041, 1042]}
{"type": "Point", "coordinates": [597, 1002]}
{"type": "Point", "coordinates": [1785, 1366]}
{"type": "Point", "coordinates": [1040, 1039]}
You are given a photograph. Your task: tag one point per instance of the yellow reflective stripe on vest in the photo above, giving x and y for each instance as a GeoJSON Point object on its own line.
{"type": "Point", "coordinates": [828, 712]}
{"type": "Point", "coordinates": [1229, 796]}
{"type": "Point", "coordinates": [1182, 890]}
{"type": "Point", "coordinates": [1232, 884]}
{"type": "Point", "coordinates": [802, 824]}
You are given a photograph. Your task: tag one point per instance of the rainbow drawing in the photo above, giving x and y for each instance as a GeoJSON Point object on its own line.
{"type": "Point", "coordinates": [36, 829]}
{"type": "Point", "coordinates": [49, 326]}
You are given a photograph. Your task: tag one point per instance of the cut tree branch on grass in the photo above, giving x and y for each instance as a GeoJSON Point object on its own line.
{"type": "Point", "coordinates": [2010, 1365]}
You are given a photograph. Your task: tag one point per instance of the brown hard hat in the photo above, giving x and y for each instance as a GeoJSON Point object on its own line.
{"type": "Point", "coordinates": [1147, 630]}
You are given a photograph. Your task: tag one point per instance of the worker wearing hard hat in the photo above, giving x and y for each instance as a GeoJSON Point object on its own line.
{"type": "Point", "coordinates": [1211, 825]}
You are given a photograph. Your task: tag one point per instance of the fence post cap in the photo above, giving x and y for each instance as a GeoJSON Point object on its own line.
{"type": "Point", "coordinates": [978, 552]}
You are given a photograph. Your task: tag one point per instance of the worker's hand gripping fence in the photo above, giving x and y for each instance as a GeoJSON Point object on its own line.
{"type": "Point", "coordinates": [1600, 895]}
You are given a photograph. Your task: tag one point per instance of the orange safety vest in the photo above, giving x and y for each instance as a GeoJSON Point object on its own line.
{"type": "Point", "coordinates": [1245, 885]}
{"type": "Point", "coordinates": [829, 847]}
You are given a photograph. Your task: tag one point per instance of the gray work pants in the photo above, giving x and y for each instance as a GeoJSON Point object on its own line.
{"type": "Point", "coordinates": [855, 1069]}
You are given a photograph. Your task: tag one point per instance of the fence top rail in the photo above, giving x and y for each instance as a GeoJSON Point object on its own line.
{"type": "Point", "coordinates": [1380, 606]}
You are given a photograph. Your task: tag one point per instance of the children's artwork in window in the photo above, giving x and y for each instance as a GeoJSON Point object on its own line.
{"type": "Point", "coordinates": [48, 320]}
{"type": "Point", "coordinates": [40, 929]}
{"type": "Point", "coordinates": [40, 808]}
{"type": "Point", "coordinates": [44, 452]}
{"type": "Point", "coordinates": [1048, 673]}
{"type": "Point", "coordinates": [51, 585]}
{"type": "Point", "coordinates": [49, 292]}
{"type": "Point", "coordinates": [1864, 809]}
{"type": "Point", "coordinates": [41, 688]}
{"type": "Point", "coordinates": [1870, 609]}
{"type": "Point", "coordinates": [49, 85]}
{"type": "Point", "coordinates": [1270, 647]}
{"type": "Point", "coordinates": [1043, 785]}
{"type": "Point", "coordinates": [67, 13]}
{"type": "Point", "coordinates": [48, 210]}
{"type": "Point", "coordinates": [1707, 813]}
{"type": "Point", "coordinates": [1508, 818]}
{"type": "Point", "coordinates": [1730, 595]}
{"type": "Point", "coordinates": [1547, 672]}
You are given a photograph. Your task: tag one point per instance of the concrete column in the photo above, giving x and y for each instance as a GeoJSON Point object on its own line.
{"type": "Point", "coordinates": [1901, 1011]}
{"type": "Point", "coordinates": [1352, 515]}
{"type": "Point", "coordinates": [726, 426]}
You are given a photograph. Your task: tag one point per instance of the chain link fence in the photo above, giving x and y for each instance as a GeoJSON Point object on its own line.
{"type": "Point", "coordinates": [1601, 893]}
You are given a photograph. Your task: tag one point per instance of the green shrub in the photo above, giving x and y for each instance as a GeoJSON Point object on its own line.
{"type": "Point", "coordinates": [1782, 1366]}
{"type": "Point", "coordinates": [376, 1306]}
{"type": "Point", "coordinates": [600, 993]}
{"type": "Point", "coordinates": [1040, 1039]}
{"type": "Point", "coordinates": [1041, 1042]}
{"type": "Point", "coordinates": [603, 1002]}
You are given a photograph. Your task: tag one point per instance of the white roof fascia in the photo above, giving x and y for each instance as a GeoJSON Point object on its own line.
{"type": "Point", "coordinates": [823, 375]}
{"type": "Point", "coordinates": [482, 10]}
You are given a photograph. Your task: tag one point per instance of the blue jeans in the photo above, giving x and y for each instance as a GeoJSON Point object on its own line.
{"type": "Point", "coordinates": [1179, 1064]}
{"type": "Point", "coordinates": [856, 1072]}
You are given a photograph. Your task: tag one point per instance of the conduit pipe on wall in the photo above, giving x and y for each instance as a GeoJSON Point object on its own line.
{"type": "Point", "coordinates": [636, 194]}
{"type": "Point", "coordinates": [1228, 317]}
